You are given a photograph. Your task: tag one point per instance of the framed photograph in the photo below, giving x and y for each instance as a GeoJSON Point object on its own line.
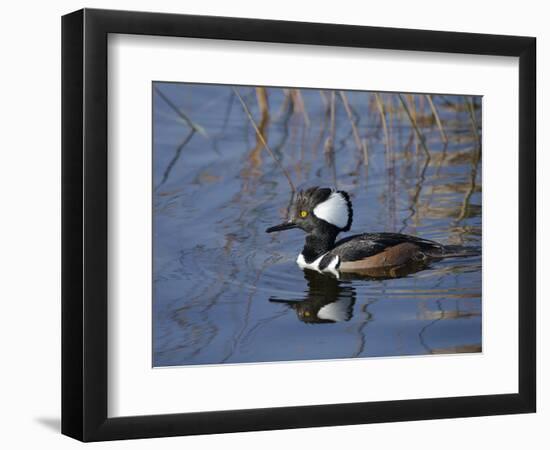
{"type": "Point", "coordinates": [274, 225]}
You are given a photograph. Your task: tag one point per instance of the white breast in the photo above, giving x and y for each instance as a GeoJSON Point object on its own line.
{"type": "Point", "coordinates": [315, 264]}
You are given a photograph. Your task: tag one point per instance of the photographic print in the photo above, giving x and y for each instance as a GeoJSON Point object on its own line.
{"type": "Point", "coordinates": [295, 224]}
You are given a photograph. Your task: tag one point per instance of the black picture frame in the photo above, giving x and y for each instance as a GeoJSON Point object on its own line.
{"type": "Point", "coordinates": [84, 224]}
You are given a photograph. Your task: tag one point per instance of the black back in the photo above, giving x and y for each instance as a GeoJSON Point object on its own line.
{"type": "Point", "coordinates": [360, 246]}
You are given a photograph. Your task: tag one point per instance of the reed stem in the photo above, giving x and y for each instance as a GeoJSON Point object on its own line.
{"type": "Point", "coordinates": [419, 134]}
{"type": "Point", "coordinates": [180, 113]}
{"type": "Point", "coordinates": [473, 120]}
{"type": "Point", "coordinates": [437, 119]}
{"type": "Point", "coordinates": [354, 129]}
{"type": "Point", "coordinates": [382, 112]}
{"type": "Point", "coordinates": [261, 137]}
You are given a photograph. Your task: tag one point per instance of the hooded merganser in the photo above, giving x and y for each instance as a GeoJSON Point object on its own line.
{"type": "Point", "coordinates": [323, 213]}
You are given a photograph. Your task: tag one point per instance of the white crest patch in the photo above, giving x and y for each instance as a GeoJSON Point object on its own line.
{"type": "Point", "coordinates": [333, 210]}
{"type": "Point", "coordinates": [337, 311]}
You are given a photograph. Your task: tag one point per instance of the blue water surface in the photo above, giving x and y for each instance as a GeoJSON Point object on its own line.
{"type": "Point", "coordinates": [227, 292]}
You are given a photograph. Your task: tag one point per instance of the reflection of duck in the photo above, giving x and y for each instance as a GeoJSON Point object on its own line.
{"type": "Point", "coordinates": [323, 213]}
{"type": "Point", "coordinates": [328, 300]}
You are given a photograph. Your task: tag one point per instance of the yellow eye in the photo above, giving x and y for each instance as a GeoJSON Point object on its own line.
{"type": "Point", "coordinates": [303, 213]}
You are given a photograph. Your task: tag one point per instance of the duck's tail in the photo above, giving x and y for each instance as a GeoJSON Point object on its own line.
{"type": "Point", "coordinates": [459, 251]}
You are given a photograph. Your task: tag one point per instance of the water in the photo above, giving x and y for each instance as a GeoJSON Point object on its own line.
{"type": "Point", "coordinates": [227, 292]}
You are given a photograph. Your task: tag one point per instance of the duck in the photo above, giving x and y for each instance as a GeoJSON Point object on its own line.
{"type": "Point", "coordinates": [323, 213]}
